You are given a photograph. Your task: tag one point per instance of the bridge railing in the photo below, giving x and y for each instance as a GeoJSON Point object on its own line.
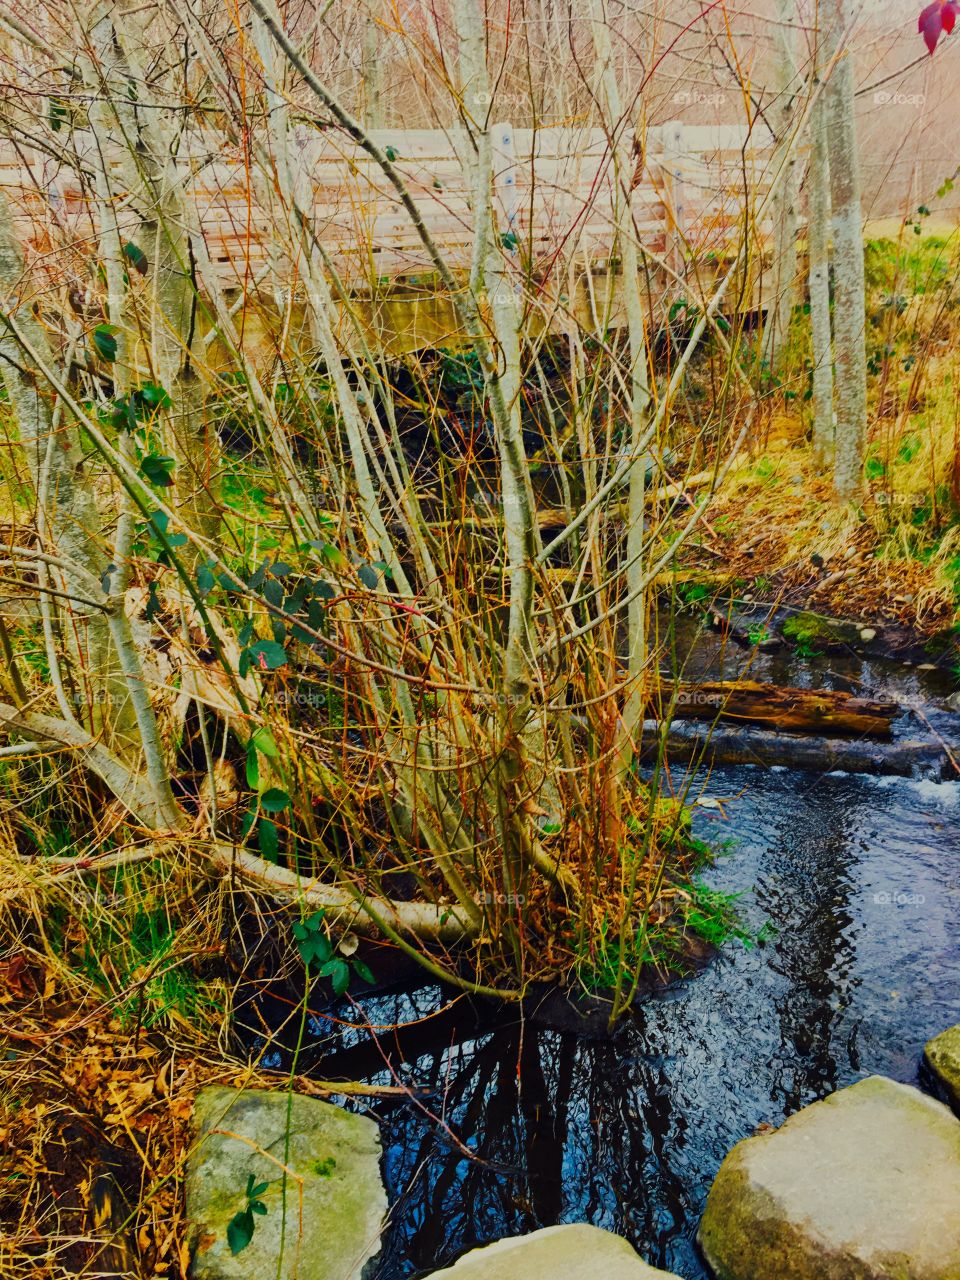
{"type": "Point", "coordinates": [694, 190]}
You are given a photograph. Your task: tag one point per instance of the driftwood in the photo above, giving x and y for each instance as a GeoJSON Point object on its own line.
{"type": "Point", "coordinates": [825, 712]}
{"type": "Point", "coordinates": [721, 745]}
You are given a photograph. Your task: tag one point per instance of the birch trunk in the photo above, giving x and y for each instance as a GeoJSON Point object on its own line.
{"type": "Point", "coordinates": [626, 239]}
{"type": "Point", "coordinates": [490, 276]}
{"type": "Point", "coordinates": [150, 136]}
{"type": "Point", "coordinates": [69, 521]}
{"type": "Point", "coordinates": [818, 242]}
{"type": "Point", "coordinates": [849, 318]}
{"type": "Point", "coordinates": [784, 211]}
{"type": "Point", "coordinates": [374, 115]}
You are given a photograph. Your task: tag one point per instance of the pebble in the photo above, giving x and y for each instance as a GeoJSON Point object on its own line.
{"type": "Point", "coordinates": [867, 634]}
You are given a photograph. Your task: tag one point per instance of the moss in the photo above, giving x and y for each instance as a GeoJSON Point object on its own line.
{"type": "Point", "coordinates": [813, 628]}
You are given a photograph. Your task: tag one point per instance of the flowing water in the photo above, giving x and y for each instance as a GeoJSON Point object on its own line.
{"type": "Point", "coordinates": [520, 1125]}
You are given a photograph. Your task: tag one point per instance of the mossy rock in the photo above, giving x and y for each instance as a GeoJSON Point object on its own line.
{"type": "Point", "coordinates": [335, 1200]}
{"type": "Point", "coordinates": [808, 628]}
{"type": "Point", "coordinates": [942, 1057]}
{"type": "Point", "coordinates": [862, 1186]}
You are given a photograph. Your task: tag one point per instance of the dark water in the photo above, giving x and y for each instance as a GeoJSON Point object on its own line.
{"type": "Point", "coordinates": [523, 1126]}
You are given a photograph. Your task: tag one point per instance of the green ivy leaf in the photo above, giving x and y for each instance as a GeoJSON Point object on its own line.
{"type": "Point", "coordinates": [105, 341]}
{"type": "Point", "coordinates": [158, 470]}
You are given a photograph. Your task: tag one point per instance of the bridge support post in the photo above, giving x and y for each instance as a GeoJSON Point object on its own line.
{"type": "Point", "coordinates": [674, 151]}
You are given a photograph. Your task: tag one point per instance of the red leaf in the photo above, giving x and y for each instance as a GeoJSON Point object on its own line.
{"type": "Point", "coordinates": [930, 24]}
{"type": "Point", "coordinates": [936, 18]}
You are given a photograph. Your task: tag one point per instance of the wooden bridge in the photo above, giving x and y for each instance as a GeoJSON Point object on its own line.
{"type": "Point", "coordinates": [694, 192]}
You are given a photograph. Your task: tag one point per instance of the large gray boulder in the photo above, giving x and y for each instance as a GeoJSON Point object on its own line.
{"type": "Point", "coordinates": [942, 1055]}
{"type": "Point", "coordinates": [862, 1186]}
{"type": "Point", "coordinates": [335, 1201]}
{"type": "Point", "coordinates": [575, 1252]}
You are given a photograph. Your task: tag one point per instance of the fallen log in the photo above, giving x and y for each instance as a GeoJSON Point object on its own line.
{"type": "Point", "coordinates": [828, 712]}
{"type": "Point", "coordinates": [721, 745]}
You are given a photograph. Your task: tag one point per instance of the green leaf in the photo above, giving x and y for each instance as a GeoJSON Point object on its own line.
{"type": "Point", "coordinates": [268, 840]}
{"type": "Point", "coordinates": [57, 114]}
{"type": "Point", "coordinates": [240, 1231]}
{"type": "Point", "coordinates": [333, 555]}
{"type": "Point", "coordinates": [338, 971]}
{"type": "Point", "coordinates": [158, 470]}
{"type": "Point", "coordinates": [205, 579]}
{"type": "Point", "coordinates": [153, 607]}
{"type": "Point", "coordinates": [152, 396]}
{"type": "Point", "coordinates": [258, 1206]}
{"type": "Point", "coordinates": [262, 739]}
{"type": "Point", "coordinates": [368, 576]}
{"type": "Point", "coordinates": [274, 800]}
{"type": "Point", "coordinates": [253, 767]}
{"type": "Point", "coordinates": [390, 153]}
{"type": "Point", "coordinates": [136, 257]}
{"type": "Point", "coordinates": [104, 339]}
{"type": "Point", "coordinates": [268, 655]}
{"type": "Point", "coordinates": [363, 971]}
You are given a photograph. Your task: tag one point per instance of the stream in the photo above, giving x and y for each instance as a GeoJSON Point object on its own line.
{"type": "Point", "coordinates": [855, 881]}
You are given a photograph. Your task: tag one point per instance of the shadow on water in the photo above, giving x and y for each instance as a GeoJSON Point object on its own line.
{"type": "Point", "coordinates": [517, 1125]}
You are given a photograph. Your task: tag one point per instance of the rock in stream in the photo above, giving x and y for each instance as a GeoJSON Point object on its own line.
{"type": "Point", "coordinates": [864, 1185]}
{"type": "Point", "coordinates": [573, 1252]}
{"type": "Point", "coordinates": [942, 1057]}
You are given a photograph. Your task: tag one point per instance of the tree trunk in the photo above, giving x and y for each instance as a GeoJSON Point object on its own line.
{"type": "Point", "coordinates": [818, 243]}
{"type": "Point", "coordinates": [621, 141]}
{"type": "Point", "coordinates": [784, 202]}
{"type": "Point", "coordinates": [849, 318]}
{"type": "Point", "coordinates": [374, 115]}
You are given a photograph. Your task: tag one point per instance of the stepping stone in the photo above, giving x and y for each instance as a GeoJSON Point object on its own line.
{"type": "Point", "coordinates": [942, 1056]}
{"type": "Point", "coordinates": [862, 1186]}
{"type": "Point", "coordinates": [575, 1252]}
{"type": "Point", "coordinates": [335, 1201]}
